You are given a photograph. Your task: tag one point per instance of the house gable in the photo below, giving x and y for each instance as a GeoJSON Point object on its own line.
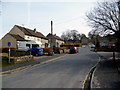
{"type": "Point", "coordinates": [56, 40]}
{"type": "Point", "coordinates": [17, 31]}
{"type": "Point", "coordinates": [8, 38]}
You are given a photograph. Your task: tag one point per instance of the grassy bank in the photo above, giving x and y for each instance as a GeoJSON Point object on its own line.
{"type": "Point", "coordinates": [5, 63]}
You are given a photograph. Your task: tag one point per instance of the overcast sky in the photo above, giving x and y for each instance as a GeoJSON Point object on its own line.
{"type": "Point", "coordinates": [65, 14]}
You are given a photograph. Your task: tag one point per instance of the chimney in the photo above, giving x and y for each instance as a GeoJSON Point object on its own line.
{"type": "Point", "coordinates": [35, 30]}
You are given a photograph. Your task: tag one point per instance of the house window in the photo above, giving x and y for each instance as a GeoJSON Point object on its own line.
{"type": "Point", "coordinates": [42, 40]}
{"type": "Point", "coordinates": [28, 37]}
{"type": "Point", "coordinates": [49, 40]}
{"type": "Point", "coordinates": [38, 38]}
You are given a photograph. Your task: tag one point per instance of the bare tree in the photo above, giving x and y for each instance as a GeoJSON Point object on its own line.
{"type": "Point", "coordinates": [71, 35]}
{"type": "Point", "coordinates": [74, 35]}
{"type": "Point", "coordinates": [104, 18]}
{"type": "Point", "coordinates": [94, 37]}
{"type": "Point", "coordinates": [66, 36]}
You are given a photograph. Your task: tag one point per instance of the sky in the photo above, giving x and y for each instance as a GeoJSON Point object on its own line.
{"type": "Point", "coordinates": [65, 14]}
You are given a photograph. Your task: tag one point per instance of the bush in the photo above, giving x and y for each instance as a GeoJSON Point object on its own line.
{"type": "Point", "coordinates": [6, 50]}
{"type": "Point", "coordinates": [46, 50]}
{"type": "Point", "coordinates": [18, 53]}
{"type": "Point", "coordinates": [106, 49]}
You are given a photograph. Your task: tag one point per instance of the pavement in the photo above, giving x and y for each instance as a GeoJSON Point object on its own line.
{"type": "Point", "coordinates": [37, 60]}
{"type": "Point", "coordinates": [106, 75]}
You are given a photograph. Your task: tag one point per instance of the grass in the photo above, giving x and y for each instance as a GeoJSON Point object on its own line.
{"type": "Point", "coordinates": [5, 63]}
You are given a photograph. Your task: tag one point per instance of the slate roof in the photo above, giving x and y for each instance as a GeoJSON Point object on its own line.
{"type": "Point", "coordinates": [55, 36]}
{"type": "Point", "coordinates": [18, 38]}
{"type": "Point", "coordinates": [30, 32]}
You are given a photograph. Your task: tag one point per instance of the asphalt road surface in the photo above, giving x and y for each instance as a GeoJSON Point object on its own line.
{"type": "Point", "coordinates": [66, 72]}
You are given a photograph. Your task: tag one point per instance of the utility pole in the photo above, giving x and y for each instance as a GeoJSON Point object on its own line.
{"type": "Point", "coordinates": [51, 42]}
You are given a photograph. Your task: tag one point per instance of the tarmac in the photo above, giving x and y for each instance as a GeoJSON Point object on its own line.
{"type": "Point", "coordinates": [106, 75]}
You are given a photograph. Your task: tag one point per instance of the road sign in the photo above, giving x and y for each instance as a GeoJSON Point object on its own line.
{"type": "Point", "coordinates": [9, 43]}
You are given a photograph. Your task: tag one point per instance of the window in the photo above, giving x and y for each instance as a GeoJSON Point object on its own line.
{"type": "Point", "coordinates": [49, 40]}
{"type": "Point", "coordinates": [28, 37]}
{"type": "Point", "coordinates": [38, 38]}
{"type": "Point", "coordinates": [42, 40]}
{"type": "Point", "coordinates": [28, 45]}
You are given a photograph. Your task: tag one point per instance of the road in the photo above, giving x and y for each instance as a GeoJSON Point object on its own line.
{"type": "Point", "coordinates": [67, 72]}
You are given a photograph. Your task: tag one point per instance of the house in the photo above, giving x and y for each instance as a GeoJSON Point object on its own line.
{"type": "Point", "coordinates": [56, 40]}
{"type": "Point", "coordinates": [24, 38]}
{"type": "Point", "coordinates": [84, 40]}
{"type": "Point", "coordinates": [107, 40]}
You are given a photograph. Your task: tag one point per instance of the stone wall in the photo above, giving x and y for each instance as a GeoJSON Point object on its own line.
{"type": "Point", "coordinates": [23, 59]}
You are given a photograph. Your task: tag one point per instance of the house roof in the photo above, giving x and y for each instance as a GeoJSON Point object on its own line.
{"type": "Point", "coordinates": [55, 36]}
{"type": "Point", "coordinates": [17, 37]}
{"type": "Point", "coordinates": [30, 32]}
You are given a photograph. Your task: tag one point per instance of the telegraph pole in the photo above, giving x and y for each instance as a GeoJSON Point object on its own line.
{"type": "Point", "coordinates": [51, 42]}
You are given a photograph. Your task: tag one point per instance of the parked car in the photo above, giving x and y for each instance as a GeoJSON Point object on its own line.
{"type": "Point", "coordinates": [73, 50]}
{"type": "Point", "coordinates": [83, 46]}
{"type": "Point", "coordinates": [92, 47]}
{"type": "Point", "coordinates": [76, 49]}
{"type": "Point", "coordinates": [36, 51]}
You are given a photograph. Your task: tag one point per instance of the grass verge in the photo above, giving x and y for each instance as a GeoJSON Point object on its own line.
{"type": "Point", "coordinates": [6, 63]}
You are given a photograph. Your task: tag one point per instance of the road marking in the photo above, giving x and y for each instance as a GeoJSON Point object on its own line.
{"type": "Point", "coordinates": [26, 67]}
{"type": "Point", "coordinates": [89, 73]}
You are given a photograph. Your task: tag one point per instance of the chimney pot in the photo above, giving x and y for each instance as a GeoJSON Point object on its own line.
{"type": "Point", "coordinates": [35, 30]}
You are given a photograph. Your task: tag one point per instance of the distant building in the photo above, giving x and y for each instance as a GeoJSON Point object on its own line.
{"type": "Point", "coordinates": [84, 41]}
{"type": "Point", "coordinates": [56, 40]}
{"type": "Point", "coordinates": [24, 38]}
{"type": "Point", "coordinates": [71, 42]}
{"type": "Point", "coordinates": [106, 40]}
